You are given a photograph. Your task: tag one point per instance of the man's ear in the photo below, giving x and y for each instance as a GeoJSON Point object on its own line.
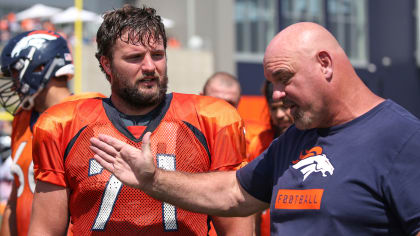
{"type": "Point", "coordinates": [106, 64]}
{"type": "Point", "coordinates": [325, 61]}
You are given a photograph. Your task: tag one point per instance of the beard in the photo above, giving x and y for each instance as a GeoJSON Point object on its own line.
{"type": "Point", "coordinates": [133, 96]}
{"type": "Point", "coordinates": [302, 119]}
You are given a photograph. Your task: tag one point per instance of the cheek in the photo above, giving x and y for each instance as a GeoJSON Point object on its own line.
{"type": "Point", "coordinates": [273, 117]}
{"type": "Point", "coordinates": [127, 69]}
{"type": "Point", "coordinates": [161, 67]}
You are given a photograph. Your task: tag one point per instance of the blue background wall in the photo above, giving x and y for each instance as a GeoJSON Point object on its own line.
{"type": "Point", "coordinates": [392, 33]}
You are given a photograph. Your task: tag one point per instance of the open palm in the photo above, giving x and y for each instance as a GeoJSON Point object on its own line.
{"type": "Point", "coordinates": [132, 166]}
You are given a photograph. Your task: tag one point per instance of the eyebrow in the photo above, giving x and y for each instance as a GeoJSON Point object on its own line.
{"type": "Point", "coordinates": [157, 50]}
{"type": "Point", "coordinates": [282, 74]}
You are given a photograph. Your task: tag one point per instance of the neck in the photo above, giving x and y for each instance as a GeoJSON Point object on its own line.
{"type": "Point", "coordinates": [50, 96]}
{"type": "Point", "coordinates": [353, 103]}
{"type": "Point", "coordinates": [128, 109]}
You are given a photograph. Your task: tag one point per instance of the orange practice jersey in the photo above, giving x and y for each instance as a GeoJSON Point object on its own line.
{"type": "Point", "coordinates": [258, 144]}
{"type": "Point", "coordinates": [22, 167]}
{"type": "Point", "coordinates": [190, 133]}
{"type": "Point", "coordinates": [252, 129]}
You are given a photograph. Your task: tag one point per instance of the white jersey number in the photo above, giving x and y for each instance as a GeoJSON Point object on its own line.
{"type": "Point", "coordinates": [167, 162]}
{"type": "Point", "coordinates": [17, 170]}
{"type": "Point", "coordinates": [114, 186]}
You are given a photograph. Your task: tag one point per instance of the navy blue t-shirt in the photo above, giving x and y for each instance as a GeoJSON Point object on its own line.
{"type": "Point", "coordinates": [359, 178]}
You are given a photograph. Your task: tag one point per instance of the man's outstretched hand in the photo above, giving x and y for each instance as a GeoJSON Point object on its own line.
{"type": "Point", "coordinates": [132, 166]}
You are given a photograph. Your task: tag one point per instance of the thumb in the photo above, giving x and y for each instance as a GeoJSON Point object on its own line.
{"type": "Point", "coordinates": [146, 142]}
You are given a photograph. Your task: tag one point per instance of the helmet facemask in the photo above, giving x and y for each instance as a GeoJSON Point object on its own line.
{"type": "Point", "coordinates": [9, 97]}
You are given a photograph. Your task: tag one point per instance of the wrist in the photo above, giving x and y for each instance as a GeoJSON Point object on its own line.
{"type": "Point", "coordinates": [149, 181]}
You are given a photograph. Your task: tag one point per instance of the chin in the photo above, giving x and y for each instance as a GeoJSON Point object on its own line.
{"type": "Point", "coordinates": [149, 91]}
{"type": "Point", "coordinates": [303, 124]}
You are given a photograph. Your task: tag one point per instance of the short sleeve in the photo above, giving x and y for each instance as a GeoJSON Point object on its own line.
{"type": "Point", "coordinates": [224, 131]}
{"type": "Point", "coordinates": [47, 153]}
{"type": "Point", "coordinates": [257, 177]}
{"type": "Point", "coordinates": [229, 147]}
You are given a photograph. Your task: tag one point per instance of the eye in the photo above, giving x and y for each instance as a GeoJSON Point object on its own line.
{"type": "Point", "coordinates": [134, 57]}
{"type": "Point", "coordinates": [286, 81]}
{"type": "Point", "coordinates": [158, 55]}
{"type": "Point", "coordinates": [283, 77]}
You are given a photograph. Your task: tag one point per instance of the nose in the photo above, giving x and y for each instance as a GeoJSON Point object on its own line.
{"type": "Point", "coordinates": [278, 92]}
{"type": "Point", "coordinates": [148, 65]}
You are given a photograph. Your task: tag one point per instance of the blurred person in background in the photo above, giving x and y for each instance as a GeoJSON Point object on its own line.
{"type": "Point", "coordinates": [6, 177]}
{"type": "Point", "coordinates": [36, 67]}
{"type": "Point", "coordinates": [132, 54]}
{"type": "Point", "coordinates": [6, 125]}
{"type": "Point", "coordinates": [226, 86]}
{"type": "Point", "coordinates": [280, 120]}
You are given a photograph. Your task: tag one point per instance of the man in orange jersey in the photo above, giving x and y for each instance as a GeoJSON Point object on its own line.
{"type": "Point", "coordinates": [190, 133]}
{"type": "Point", "coordinates": [36, 67]}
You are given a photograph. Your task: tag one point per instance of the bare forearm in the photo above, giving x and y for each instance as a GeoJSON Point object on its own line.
{"type": "Point", "coordinates": [214, 193]}
{"type": "Point", "coordinates": [244, 226]}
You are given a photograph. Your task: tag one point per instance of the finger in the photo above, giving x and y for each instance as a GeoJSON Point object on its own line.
{"type": "Point", "coordinates": [115, 143]}
{"type": "Point", "coordinates": [105, 156]}
{"type": "Point", "coordinates": [146, 142]}
{"type": "Point", "coordinates": [103, 146]}
{"type": "Point", "coordinates": [103, 163]}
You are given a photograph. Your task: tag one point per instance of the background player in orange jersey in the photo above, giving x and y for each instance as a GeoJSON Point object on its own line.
{"type": "Point", "coordinates": [227, 87]}
{"type": "Point", "coordinates": [224, 86]}
{"type": "Point", "coordinates": [190, 133]}
{"type": "Point", "coordinates": [36, 67]}
{"type": "Point", "coordinates": [280, 120]}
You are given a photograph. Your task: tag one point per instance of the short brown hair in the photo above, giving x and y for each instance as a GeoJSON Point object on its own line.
{"type": "Point", "coordinates": [142, 25]}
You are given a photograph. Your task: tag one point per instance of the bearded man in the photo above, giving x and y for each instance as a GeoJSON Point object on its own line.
{"type": "Point", "coordinates": [190, 133]}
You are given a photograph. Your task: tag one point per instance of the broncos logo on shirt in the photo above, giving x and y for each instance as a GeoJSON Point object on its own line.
{"type": "Point", "coordinates": [312, 162]}
{"type": "Point", "coordinates": [319, 163]}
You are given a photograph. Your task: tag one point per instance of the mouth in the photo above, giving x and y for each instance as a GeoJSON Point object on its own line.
{"type": "Point", "coordinates": [148, 81]}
